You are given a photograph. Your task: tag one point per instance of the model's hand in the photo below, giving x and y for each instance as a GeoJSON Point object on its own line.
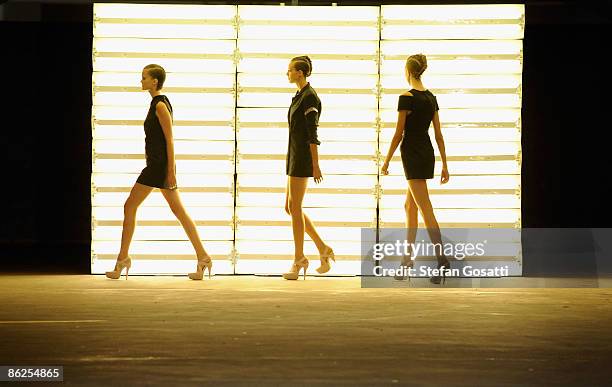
{"type": "Point", "coordinates": [316, 173]}
{"type": "Point", "coordinates": [444, 175]}
{"type": "Point", "coordinates": [171, 180]}
{"type": "Point", "coordinates": [385, 168]}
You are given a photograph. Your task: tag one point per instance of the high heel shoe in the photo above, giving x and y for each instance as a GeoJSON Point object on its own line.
{"type": "Point", "coordinates": [407, 264]}
{"type": "Point", "coordinates": [325, 266]}
{"type": "Point", "coordinates": [436, 278]}
{"type": "Point", "coordinates": [116, 274]}
{"type": "Point", "coordinates": [202, 265]}
{"type": "Point", "coordinates": [295, 269]}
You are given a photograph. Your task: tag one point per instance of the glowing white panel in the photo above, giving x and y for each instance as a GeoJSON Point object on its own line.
{"type": "Point", "coordinates": [342, 43]}
{"type": "Point", "coordinates": [196, 46]}
{"type": "Point", "coordinates": [474, 55]}
{"type": "Point", "coordinates": [482, 21]}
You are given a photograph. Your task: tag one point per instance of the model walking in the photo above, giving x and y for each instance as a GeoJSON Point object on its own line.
{"type": "Point", "coordinates": [160, 172]}
{"type": "Point", "coordinates": [302, 163]}
{"type": "Point", "coordinates": [417, 109]}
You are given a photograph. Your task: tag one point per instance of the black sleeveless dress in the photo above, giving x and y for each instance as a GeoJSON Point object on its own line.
{"type": "Point", "coordinates": [154, 174]}
{"type": "Point", "coordinates": [418, 156]}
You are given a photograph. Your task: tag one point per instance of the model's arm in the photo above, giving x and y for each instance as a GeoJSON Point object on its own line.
{"type": "Point", "coordinates": [397, 138]}
{"type": "Point", "coordinates": [314, 151]}
{"type": "Point", "coordinates": [312, 111]}
{"type": "Point", "coordinates": [165, 119]}
{"type": "Point", "coordinates": [440, 141]}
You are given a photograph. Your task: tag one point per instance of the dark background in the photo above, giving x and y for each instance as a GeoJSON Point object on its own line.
{"type": "Point", "coordinates": [46, 128]}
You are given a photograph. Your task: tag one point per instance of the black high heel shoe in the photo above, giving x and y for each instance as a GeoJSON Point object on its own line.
{"type": "Point", "coordinates": [436, 278]}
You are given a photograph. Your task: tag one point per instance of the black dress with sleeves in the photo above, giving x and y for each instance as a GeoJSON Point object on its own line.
{"type": "Point", "coordinates": [303, 118]}
{"type": "Point", "coordinates": [418, 156]}
{"type": "Point", "coordinates": [154, 174]}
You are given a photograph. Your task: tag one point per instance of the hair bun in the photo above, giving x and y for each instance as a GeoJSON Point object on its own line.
{"type": "Point", "coordinates": [416, 64]}
{"type": "Point", "coordinates": [307, 69]}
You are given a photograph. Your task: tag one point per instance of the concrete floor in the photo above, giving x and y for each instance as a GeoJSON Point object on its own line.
{"type": "Point", "coordinates": [259, 331]}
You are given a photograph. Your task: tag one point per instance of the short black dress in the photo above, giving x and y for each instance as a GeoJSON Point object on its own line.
{"type": "Point", "coordinates": [418, 156]}
{"type": "Point", "coordinates": [303, 118]}
{"type": "Point", "coordinates": [154, 174]}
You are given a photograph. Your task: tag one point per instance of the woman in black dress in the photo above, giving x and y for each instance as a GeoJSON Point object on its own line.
{"type": "Point", "coordinates": [160, 172]}
{"type": "Point", "coordinates": [302, 163]}
{"type": "Point", "coordinates": [417, 109]}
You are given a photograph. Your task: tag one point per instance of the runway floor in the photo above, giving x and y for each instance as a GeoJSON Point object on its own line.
{"type": "Point", "coordinates": [259, 331]}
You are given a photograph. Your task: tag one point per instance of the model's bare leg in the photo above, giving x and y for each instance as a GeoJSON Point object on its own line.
{"type": "Point", "coordinates": [174, 201]}
{"type": "Point", "coordinates": [297, 189]}
{"type": "Point", "coordinates": [309, 225]}
{"type": "Point", "coordinates": [138, 194]}
{"type": "Point", "coordinates": [418, 188]}
{"type": "Point", "coordinates": [412, 220]}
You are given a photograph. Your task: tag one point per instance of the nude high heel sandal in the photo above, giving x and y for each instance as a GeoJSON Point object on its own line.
{"type": "Point", "coordinates": [203, 264]}
{"type": "Point", "coordinates": [325, 257]}
{"type": "Point", "coordinates": [124, 263]}
{"type": "Point", "coordinates": [295, 269]}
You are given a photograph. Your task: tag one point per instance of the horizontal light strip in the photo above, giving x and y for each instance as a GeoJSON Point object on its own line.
{"type": "Point", "coordinates": [464, 124]}
{"type": "Point", "coordinates": [437, 48]}
{"type": "Point", "coordinates": [195, 147]}
{"type": "Point", "coordinates": [311, 190]}
{"type": "Point", "coordinates": [456, 201]}
{"type": "Point", "coordinates": [276, 233]}
{"type": "Point", "coordinates": [134, 89]}
{"type": "Point", "coordinates": [442, 225]}
{"type": "Point", "coordinates": [252, 13]}
{"type": "Point", "coordinates": [156, 199]}
{"type": "Point", "coordinates": [327, 124]}
{"type": "Point", "coordinates": [205, 13]}
{"type": "Point", "coordinates": [316, 199]}
{"type": "Point", "coordinates": [319, 223]}
{"type": "Point", "coordinates": [176, 81]}
{"type": "Point", "coordinates": [457, 134]}
{"type": "Point", "coordinates": [140, 156]}
{"type": "Point", "coordinates": [447, 191]}
{"type": "Point", "coordinates": [320, 91]}
{"type": "Point", "coordinates": [440, 57]}
{"type": "Point", "coordinates": [437, 92]}
{"type": "Point", "coordinates": [162, 55]}
{"type": "Point", "coordinates": [162, 21]}
{"type": "Point", "coordinates": [356, 134]}
{"type": "Point", "coordinates": [175, 122]}
{"type": "Point", "coordinates": [450, 13]}
{"type": "Point", "coordinates": [163, 213]}
{"type": "Point", "coordinates": [176, 233]}
{"type": "Point", "coordinates": [471, 22]}
{"type": "Point", "coordinates": [310, 23]}
{"type": "Point", "coordinates": [322, 82]}
{"type": "Point", "coordinates": [155, 223]}
{"type": "Point", "coordinates": [459, 66]}
{"type": "Point", "coordinates": [181, 189]}
{"type": "Point", "coordinates": [247, 156]}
